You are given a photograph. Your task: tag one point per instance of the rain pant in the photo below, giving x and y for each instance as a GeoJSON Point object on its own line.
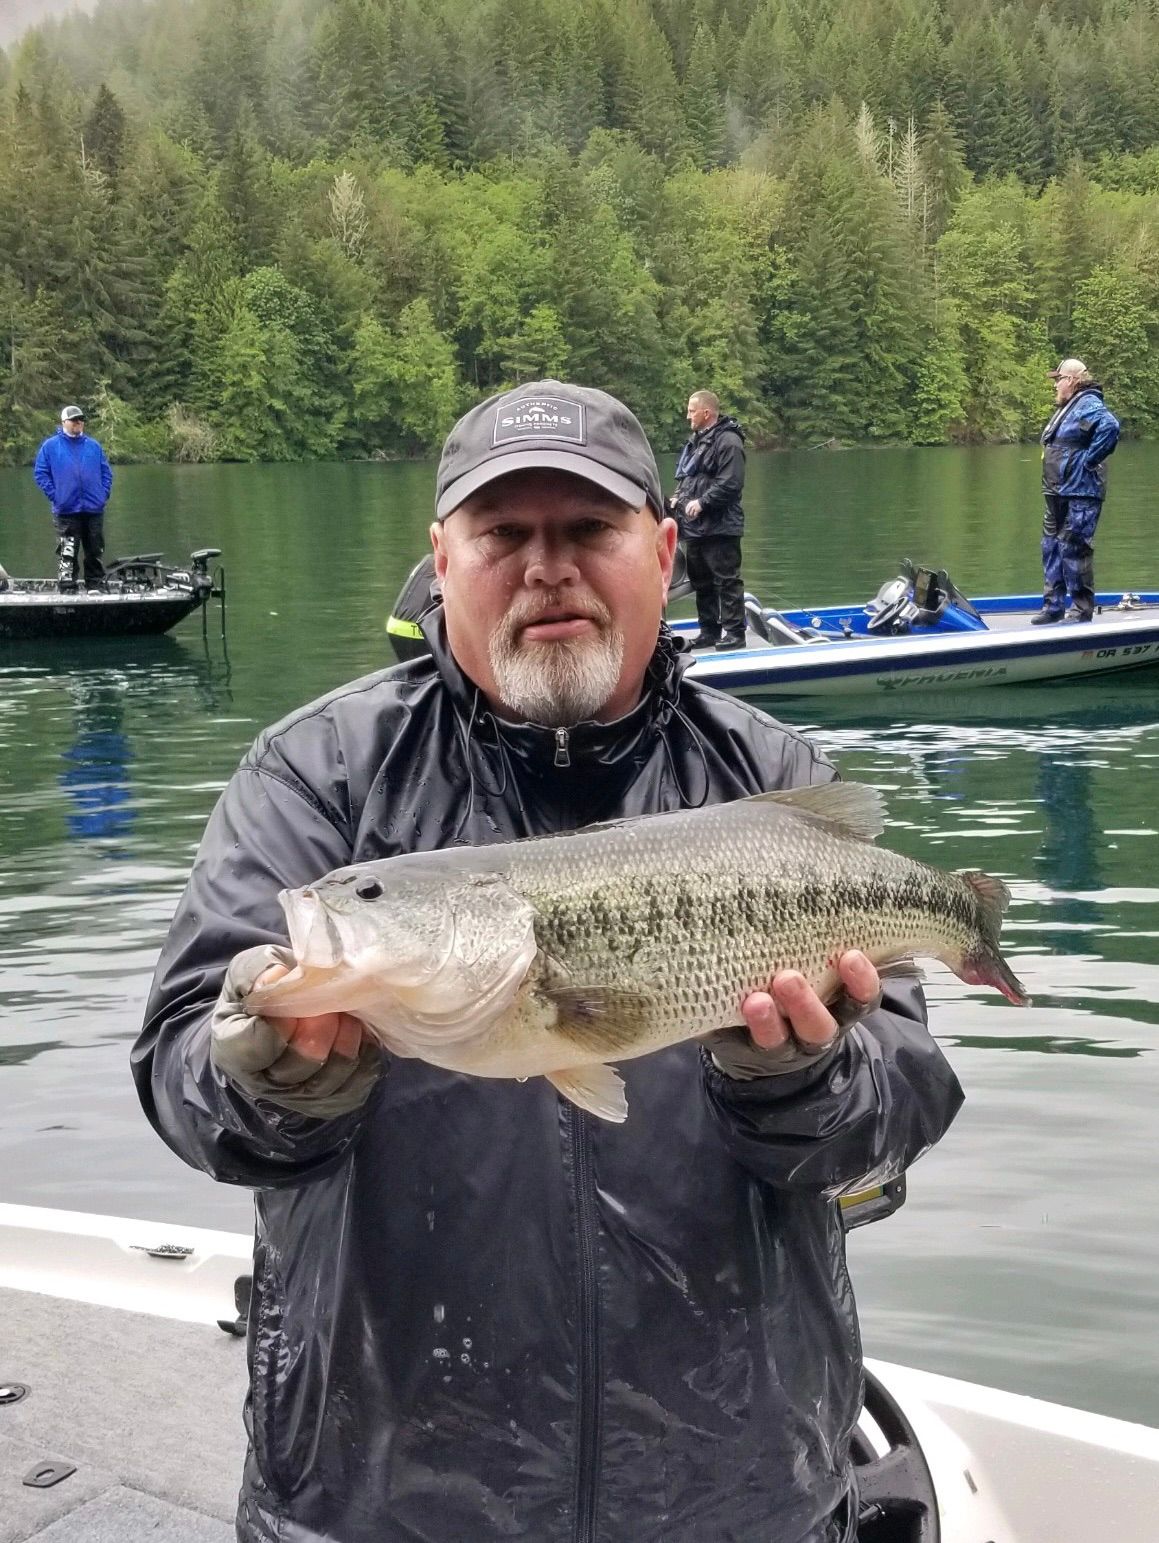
{"type": "Point", "coordinates": [1068, 552]}
{"type": "Point", "coordinates": [480, 1314]}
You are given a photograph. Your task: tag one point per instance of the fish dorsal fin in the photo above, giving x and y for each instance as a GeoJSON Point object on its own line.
{"type": "Point", "coordinates": [854, 808]}
{"type": "Point", "coordinates": [598, 1089]}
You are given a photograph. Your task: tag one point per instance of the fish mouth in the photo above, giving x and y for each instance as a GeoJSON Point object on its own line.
{"type": "Point", "coordinates": [314, 938]}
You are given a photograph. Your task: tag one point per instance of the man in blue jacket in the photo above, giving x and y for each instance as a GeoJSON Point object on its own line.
{"type": "Point", "coordinates": [73, 474]}
{"type": "Point", "coordinates": [1075, 445]}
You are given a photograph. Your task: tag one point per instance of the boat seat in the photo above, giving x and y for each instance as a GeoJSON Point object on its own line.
{"type": "Point", "coordinates": [770, 626]}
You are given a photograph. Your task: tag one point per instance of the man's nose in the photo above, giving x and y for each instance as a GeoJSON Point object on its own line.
{"type": "Point", "coordinates": [551, 560]}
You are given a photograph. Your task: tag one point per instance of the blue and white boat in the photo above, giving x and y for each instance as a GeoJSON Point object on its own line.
{"type": "Point", "coordinates": [920, 634]}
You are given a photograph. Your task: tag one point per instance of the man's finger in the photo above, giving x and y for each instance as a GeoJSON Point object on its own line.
{"type": "Point", "coordinates": [270, 975]}
{"type": "Point", "coordinates": [858, 975]}
{"type": "Point", "coordinates": [314, 1037]}
{"type": "Point", "coordinates": [764, 1021]}
{"type": "Point", "coordinates": [810, 1020]}
{"type": "Point", "coordinates": [348, 1040]}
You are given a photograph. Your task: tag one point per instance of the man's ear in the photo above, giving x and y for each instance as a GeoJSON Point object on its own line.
{"type": "Point", "coordinates": [440, 549]}
{"type": "Point", "coordinates": [666, 537]}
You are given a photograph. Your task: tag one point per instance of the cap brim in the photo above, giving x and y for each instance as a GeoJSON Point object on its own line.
{"type": "Point", "coordinates": [572, 461]}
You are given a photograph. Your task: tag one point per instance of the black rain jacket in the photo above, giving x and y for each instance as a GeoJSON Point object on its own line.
{"type": "Point", "coordinates": [479, 1313]}
{"type": "Point", "coordinates": [711, 467]}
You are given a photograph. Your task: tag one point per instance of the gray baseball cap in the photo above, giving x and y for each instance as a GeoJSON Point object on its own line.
{"type": "Point", "coordinates": [71, 414]}
{"type": "Point", "coordinates": [554, 426]}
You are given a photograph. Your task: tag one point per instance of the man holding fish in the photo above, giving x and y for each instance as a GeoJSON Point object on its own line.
{"type": "Point", "coordinates": [502, 1290]}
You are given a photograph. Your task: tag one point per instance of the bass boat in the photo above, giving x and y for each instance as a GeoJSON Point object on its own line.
{"type": "Point", "coordinates": [114, 1369]}
{"type": "Point", "coordinates": [920, 634]}
{"type": "Point", "coordinates": [139, 595]}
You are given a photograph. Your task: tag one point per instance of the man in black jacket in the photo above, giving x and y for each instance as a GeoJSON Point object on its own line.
{"type": "Point", "coordinates": [709, 482]}
{"type": "Point", "coordinates": [478, 1312]}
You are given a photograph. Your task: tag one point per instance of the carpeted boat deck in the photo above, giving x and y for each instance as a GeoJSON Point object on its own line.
{"type": "Point", "coordinates": [146, 1410]}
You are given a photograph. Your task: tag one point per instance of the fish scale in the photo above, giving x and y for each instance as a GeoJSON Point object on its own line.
{"type": "Point", "coordinates": [558, 955]}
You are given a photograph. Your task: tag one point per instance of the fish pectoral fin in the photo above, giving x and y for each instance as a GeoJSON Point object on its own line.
{"type": "Point", "coordinates": [854, 808]}
{"type": "Point", "coordinates": [598, 1089]}
{"type": "Point", "coordinates": [600, 1018]}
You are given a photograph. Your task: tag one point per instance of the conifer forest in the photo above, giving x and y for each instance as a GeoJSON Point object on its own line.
{"type": "Point", "coordinates": [294, 229]}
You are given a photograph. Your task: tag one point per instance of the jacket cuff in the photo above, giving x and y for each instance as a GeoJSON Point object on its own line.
{"type": "Point", "coordinates": [769, 1089]}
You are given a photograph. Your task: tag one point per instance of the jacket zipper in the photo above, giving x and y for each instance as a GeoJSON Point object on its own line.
{"type": "Point", "coordinates": [589, 1394]}
{"type": "Point", "coordinates": [562, 757]}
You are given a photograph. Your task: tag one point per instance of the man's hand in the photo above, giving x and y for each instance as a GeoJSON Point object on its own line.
{"type": "Point", "coordinates": [322, 1066]}
{"type": "Point", "coordinates": [692, 509]}
{"type": "Point", "coordinates": [790, 1027]}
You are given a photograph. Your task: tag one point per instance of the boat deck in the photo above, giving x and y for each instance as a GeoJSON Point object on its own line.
{"type": "Point", "coordinates": [157, 1455]}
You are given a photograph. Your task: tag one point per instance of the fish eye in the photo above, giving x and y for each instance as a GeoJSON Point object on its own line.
{"type": "Point", "coordinates": [368, 888]}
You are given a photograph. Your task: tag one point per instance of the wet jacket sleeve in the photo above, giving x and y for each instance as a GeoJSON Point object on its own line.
{"type": "Point", "coordinates": [42, 471]}
{"type": "Point", "coordinates": [727, 473]}
{"type": "Point", "coordinates": [264, 835]}
{"type": "Point", "coordinates": [860, 1116]}
{"type": "Point", "coordinates": [1104, 432]}
{"type": "Point", "coordinates": [106, 477]}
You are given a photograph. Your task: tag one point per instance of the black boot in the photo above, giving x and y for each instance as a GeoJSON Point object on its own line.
{"type": "Point", "coordinates": [1045, 616]}
{"type": "Point", "coordinates": [730, 641]}
{"type": "Point", "coordinates": [705, 640]}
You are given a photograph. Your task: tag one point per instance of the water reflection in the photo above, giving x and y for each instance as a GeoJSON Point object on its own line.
{"type": "Point", "coordinates": [1040, 1044]}
{"type": "Point", "coordinates": [96, 776]}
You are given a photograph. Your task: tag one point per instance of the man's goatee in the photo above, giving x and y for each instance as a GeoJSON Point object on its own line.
{"type": "Point", "coordinates": [556, 683]}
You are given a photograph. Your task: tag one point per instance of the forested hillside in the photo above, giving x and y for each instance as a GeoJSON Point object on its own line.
{"type": "Point", "coordinates": [280, 229]}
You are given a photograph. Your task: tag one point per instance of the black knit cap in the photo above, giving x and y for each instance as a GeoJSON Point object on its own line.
{"type": "Point", "coordinates": [550, 425]}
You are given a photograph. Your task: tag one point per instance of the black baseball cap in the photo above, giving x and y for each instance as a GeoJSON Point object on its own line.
{"type": "Point", "coordinates": [558, 427]}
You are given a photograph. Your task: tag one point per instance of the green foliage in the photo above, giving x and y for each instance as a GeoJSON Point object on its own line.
{"type": "Point", "coordinates": [1116, 332]}
{"type": "Point", "coordinates": [284, 229]}
{"type": "Point", "coordinates": [407, 391]}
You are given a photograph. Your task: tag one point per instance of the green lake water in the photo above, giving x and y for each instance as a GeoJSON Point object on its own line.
{"type": "Point", "coordinates": [1028, 1252]}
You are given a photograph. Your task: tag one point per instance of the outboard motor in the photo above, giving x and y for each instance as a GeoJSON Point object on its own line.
{"type": "Point", "coordinates": [67, 568]}
{"type": "Point", "coordinates": [419, 594]}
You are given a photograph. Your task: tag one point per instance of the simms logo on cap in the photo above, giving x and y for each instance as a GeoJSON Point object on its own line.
{"type": "Point", "coordinates": [539, 417]}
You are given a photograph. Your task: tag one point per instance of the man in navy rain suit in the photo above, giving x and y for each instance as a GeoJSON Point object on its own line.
{"type": "Point", "coordinates": [1075, 445]}
{"type": "Point", "coordinates": [73, 474]}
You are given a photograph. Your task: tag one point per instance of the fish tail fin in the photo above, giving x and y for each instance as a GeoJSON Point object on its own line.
{"type": "Point", "coordinates": [982, 964]}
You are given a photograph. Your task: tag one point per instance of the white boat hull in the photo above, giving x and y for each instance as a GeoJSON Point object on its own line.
{"type": "Point", "coordinates": [1006, 1469]}
{"type": "Point", "coordinates": [1009, 652]}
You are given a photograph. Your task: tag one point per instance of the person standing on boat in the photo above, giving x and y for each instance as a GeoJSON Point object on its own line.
{"type": "Point", "coordinates": [480, 1313]}
{"type": "Point", "coordinates": [1081, 434]}
{"type": "Point", "coordinates": [73, 473]}
{"type": "Point", "coordinates": [707, 506]}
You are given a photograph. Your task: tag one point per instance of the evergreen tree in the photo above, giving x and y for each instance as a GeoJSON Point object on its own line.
{"type": "Point", "coordinates": [104, 134]}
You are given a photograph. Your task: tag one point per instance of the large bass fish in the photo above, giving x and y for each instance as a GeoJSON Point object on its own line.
{"type": "Point", "coordinates": [554, 956]}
